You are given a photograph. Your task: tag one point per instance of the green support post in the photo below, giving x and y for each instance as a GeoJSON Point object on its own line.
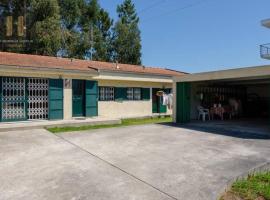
{"type": "Point", "coordinates": [183, 91]}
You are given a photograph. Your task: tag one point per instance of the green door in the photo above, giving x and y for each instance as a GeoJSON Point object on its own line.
{"type": "Point", "coordinates": [91, 96]}
{"type": "Point", "coordinates": [183, 102]}
{"type": "Point", "coordinates": [78, 98]}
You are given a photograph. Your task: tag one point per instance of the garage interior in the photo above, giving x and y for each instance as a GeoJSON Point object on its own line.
{"type": "Point", "coordinates": [231, 104]}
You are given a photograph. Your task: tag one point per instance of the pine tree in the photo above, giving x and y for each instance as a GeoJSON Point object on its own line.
{"type": "Point", "coordinates": [45, 29]}
{"type": "Point", "coordinates": [72, 43]}
{"type": "Point", "coordinates": [102, 37]}
{"type": "Point", "coordinates": [126, 38]}
{"type": "Point", "coordinates": [71, 12]}
{"type": "Point", "coordinates": [86, 30]}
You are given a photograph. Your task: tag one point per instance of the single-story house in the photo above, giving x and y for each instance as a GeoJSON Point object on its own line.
{"type": "Point", "coordinates": [242, 93]}
{"type": "Point", "coordinates": [40, 87]}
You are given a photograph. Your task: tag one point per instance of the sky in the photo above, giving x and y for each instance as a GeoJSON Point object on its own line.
{"type": "Point", "coordinates": [200, 35]}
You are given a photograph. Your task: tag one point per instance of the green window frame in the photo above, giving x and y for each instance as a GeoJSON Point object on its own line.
{"type": "Point", "coordinates": [145, 93]}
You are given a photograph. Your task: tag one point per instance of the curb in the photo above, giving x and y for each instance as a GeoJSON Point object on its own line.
{"type": "Point", "coordinates": [74, 123]}
{"type": "Point", "coordinates": [259, 168]}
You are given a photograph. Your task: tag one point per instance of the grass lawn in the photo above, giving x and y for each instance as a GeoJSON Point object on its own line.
{"type": "Point", "coordinates": [125, 122]}
{"type": "Point", "coordinates": [254, 187]}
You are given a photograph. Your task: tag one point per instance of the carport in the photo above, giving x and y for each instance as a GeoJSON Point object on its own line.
{"type": "Point", "coordinates": [229, 97]}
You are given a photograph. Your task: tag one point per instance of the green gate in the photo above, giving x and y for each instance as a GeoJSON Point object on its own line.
{"type": "Point", "coordinates": [30, 98]}
{"type": "Point", "coordinates": [183, 102]}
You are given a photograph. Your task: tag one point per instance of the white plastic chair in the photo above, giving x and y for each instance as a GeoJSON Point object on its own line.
{"type": "Point", "coordinates": [202, 113]}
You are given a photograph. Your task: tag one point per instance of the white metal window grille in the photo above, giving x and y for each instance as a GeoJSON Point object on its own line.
{"type": "Point", "coordinates": [106, 93]}
{"type": "Point", "coordinates": [130, 93]}
{"type": "Point", "coordinates": [134, 93]}
{"type": "Point", "coordinates": [38, 98]}
{"type": "Point", "coordinates": [13, 99]}
{"type": "Point", "coordinates": [137, 93]}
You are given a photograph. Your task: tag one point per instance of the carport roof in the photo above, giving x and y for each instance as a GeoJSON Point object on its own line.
{"type": "Point", "coordinates": [247, 73]}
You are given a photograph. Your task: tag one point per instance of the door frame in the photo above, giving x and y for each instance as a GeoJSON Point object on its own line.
{"type": "Point", "coordinates": [155, 107]}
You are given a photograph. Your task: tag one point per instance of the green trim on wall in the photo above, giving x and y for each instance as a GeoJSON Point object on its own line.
{"type": "Point", "coordinates": [120, 93]}
{"type": "Point", "coordinates": [91, 96]}
{"type": "Point", "coordinates": [145, 92]}
{"type": "Point", "coordinates": [183, 91]}
{"type": "Point", "coordinates": [56, 96]}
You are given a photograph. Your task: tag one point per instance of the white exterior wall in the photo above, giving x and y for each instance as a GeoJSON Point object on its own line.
{"type": "Point", "coordinates": [125, 109]}
{"type": "Point", "coordinates": [67, 98]}
{"type": "Point", "coordinates": [105, 108]}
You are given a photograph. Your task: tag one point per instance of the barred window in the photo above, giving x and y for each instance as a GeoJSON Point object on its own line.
{"type": "Point", "coordinates": [106, 93]}
{"type": "Point", "coordinates": [130, 93]}
{"type": "Point", "coordinates": [137, 93]}
{"type": "Point", "coordinates": [134, 93]}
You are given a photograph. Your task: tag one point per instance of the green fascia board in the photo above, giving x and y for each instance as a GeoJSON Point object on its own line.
{"type": "Point", "coordinates": [145, 93]}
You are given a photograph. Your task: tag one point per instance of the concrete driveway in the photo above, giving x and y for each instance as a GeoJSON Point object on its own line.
{"type": "Point", "coordinates": [149, 162]}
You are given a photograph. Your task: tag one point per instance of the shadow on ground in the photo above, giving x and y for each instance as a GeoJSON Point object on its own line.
{"type": "Point", "coordinates": [237, 132]}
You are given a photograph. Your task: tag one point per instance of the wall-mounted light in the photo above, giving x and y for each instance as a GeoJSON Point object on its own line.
{"type": "Point", "coordinates": [67, 83]}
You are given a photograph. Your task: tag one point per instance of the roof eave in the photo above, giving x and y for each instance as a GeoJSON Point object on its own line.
{"type": "Point", "coordinates": [141, 73]}
{"type": "Point", "coordinates": [229, 74]}
{"type": "Point", "coordinates": [48, 69]}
